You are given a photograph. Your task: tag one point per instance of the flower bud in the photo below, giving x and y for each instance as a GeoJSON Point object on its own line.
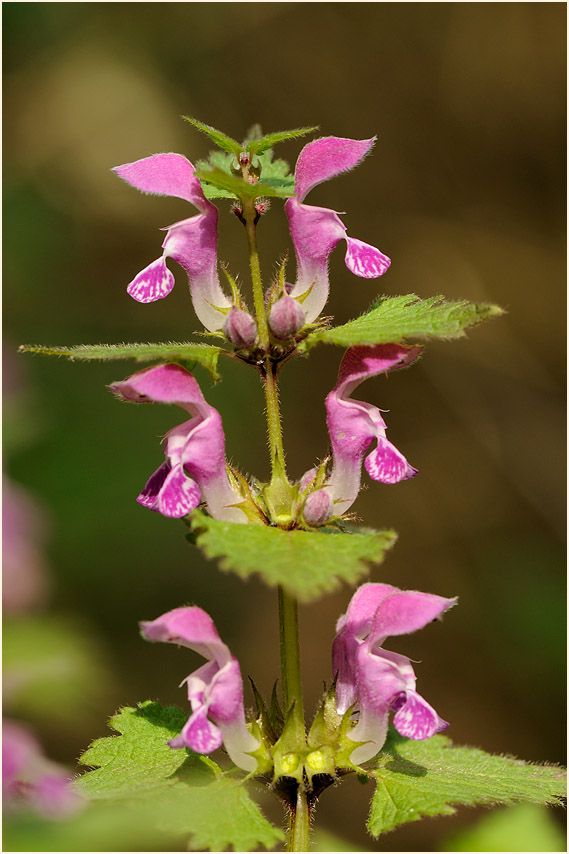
{"type": "Point", "coordinates": [240, 328]}
{"type": "Point", "coordinates": [317, 508]}
{"type": "Point", "coordinates": [286, 318]}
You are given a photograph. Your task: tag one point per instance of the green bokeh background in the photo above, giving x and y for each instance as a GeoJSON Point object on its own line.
{"type": "Point", "coordinates": [464, 191]}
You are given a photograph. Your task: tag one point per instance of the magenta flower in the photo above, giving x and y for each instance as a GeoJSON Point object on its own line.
{"type": "Point", "coordinates": [353, 426]}
{"type": "Point", "coordinates": [191, 242]}
{"type": "Point", "coordinates": [31, 780]}
{"type": "Point", "coordinates": [194, 469]}
{"type": "Point", "coordinates": [376, 681]}
{"type": "Point", "coordinates": [215, 690]}
{"type": "Point", "coordinates": [317, 231]}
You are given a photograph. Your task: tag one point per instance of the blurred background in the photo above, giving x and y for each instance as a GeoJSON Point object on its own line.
{"type": "Point", "coordinates": [464, 191]}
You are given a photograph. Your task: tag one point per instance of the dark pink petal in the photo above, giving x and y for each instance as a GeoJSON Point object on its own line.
{"type": "Point", "coordinates": [388, 465]}
{"type": "Point", "coordinates": [199, 734]}
{"type": "Point", "coordinates": [406, 611]}
{"type": "Point", "coordinates": [361, 363]}
{"type": "Point", "coordinates": [417, 719]}
{"type": "Point", "coordinates": [154, 282]}
{"type": "Point", "coordinates": [191, 627]}
{"type": "Point", "coordinates": [149, 495]}
{"type": "Point", "coordinates": [363, 605]}
{"type": "Point", "coordinates": [365, 260]}
{"type": "Point", "coordinates": [163, 384]}
{"type": "Point", "coordinates": [325, 158]}
{"type": "Point", "coordinates": [165, 175]}
{"type": "Point", "coordinates": [179, 495]}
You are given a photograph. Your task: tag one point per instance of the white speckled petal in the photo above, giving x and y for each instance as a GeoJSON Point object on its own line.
{"type": "Point", "coordinates": [154, 282]}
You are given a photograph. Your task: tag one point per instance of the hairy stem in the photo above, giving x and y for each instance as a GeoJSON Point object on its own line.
{"type": "Point", "coordinates": [249, 215]}
{"type": "Point", "coordinates": [299, 824]}
{"type": "Point", "coordinates": [290, 656]}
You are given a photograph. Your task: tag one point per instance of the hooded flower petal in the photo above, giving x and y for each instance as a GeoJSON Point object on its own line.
{"type": "Point", "coordinates": [191, 242]}
{"type": "Point", "coordinates": [376, 681]}
{"type": "Point", "coordinates": [215, 690]}
{"type": "Point", "coordinates": [353, 425]}
{"type": "Point", "coordinates": [317, 231]}
{"type": "Point", "coordinates": [195, 450]}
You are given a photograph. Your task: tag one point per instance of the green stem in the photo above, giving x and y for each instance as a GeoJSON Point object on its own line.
{"type": "Point", "coordinates": [290, 657]}
{"type": "Point", "coordinates": [249, 214]}
{"type": "Point", "coordinates": [299, 824]}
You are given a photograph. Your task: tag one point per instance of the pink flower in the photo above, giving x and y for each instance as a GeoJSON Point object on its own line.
{"type": "Point", "coordinates": [354, 425]}
{"type": "Point", "coordinates": [194, 469]}
{"type": "Point", "coordinates": [31, 780]}
{"type": "Point", "coordinates": [191, 242]}
{"type": "Point", "coordinates": [215, 690]}
{"type": "Point", "coordinates": [317, 231]}
{"type": "Point", "coordinates": [375, 681]}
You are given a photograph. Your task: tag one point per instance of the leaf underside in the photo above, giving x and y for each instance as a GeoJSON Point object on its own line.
{"type": "Point", "coordinates": [205, 355]}
{"type": "Point", "coordinates": [395, 319]}
{"type": "Point", "coordinates": [427, 778]}
{"type": "Point", "coordinates": [307, 564]}
{"type": "Point", "coordinates": [178, 791]}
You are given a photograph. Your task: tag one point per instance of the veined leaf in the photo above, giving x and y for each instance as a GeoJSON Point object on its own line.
{"type": "Point", "coordinates": [237, 186]}
{"type": "Point", "coordinates": [177, 790]}
{"type": "Point", "coordinates": [394, 319]}
{"type": "Point", "coordinates": [421, 778]}
{"type": "Point", "coordinates": [220, 139]}
{"type": "Point", "coordinates": [258, 146]}
{"type": "Point", "coordinates": [205, 355]}
{"type": "Point", "coordinates": [305, 563]}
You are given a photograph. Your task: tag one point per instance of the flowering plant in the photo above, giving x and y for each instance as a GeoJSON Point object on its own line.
{"type": "Point", "coordinates": [295, 532]}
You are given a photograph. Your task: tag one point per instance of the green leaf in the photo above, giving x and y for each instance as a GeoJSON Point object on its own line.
{"type": "Point", "coordinates": [394, 319]}
{"type": "Point", "coordinates": [259, 146]}
{"type": "Point", "coordinates": [418, 778]}
{"type": "Point", "coordinates": [180, 791]}
{"type": "Point", "coordinates": [525, 827]}
{"type": "Point", "coordinates": [241, 189]}
{"type": "Point", "coordinates": [46, 662]}
{"type": "Point", "coordinates": [220, 139]}
{"type": "Point", "coordinates": [205, 355]}
{"type": "Point", "coordinates": [305, 563]}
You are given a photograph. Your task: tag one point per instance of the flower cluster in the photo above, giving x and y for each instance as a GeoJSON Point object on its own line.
{"type": "Point", "coordinates": [370, 682]}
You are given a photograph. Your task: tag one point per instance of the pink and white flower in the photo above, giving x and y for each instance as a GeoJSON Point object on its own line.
{"type": "Point", "coordinates": [191, 242]}
{"type": "Point", "coordinates": [215, 690]}
{"type": "Point", "coordinates": [354, 425]}
{"type": "Point", "coordinates": [375, 681]}
{"type": "Point", "coordinates": [194, 469]}
{"type": "Point", "coordinates": [317, 231]}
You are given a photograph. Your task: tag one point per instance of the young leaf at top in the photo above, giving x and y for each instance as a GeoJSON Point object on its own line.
{"type": "Point", "coordinates": [205, 355]}
{"type": "Point", "coordinates": [401, 318]}
{"type": "Point", "coordinates": [182, 791]}
{"type": "Point", "coordinates": [425, 778]}
{"type": "Point", "coordinates": [307, 564]}
{"type": "Point", "coordinates": [220, 139]}
{"type": "Point", "coordinates": [259, 146]}
{"type": "Point", "coordinates": [238, 187]}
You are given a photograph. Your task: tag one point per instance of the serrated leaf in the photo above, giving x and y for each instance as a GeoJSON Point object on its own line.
{"type": "Point", "coordinates": [394, 319]}
{"type": "Point", "coordinates": [305, 563]}
{"type": "Point", "coordinates": [179, 791]}
{"type": "Point", "coordinates": [205, 355]}
{"type": "Point", "coordinates": [258, 146]}
{"type": "Point", "coordinates": [426, 778]}
{"type": "Point", "coordinates": [218, 137]}
{"type": "Point", "coordinates": [237, 186]}
{"type": "Point", "coordinates": [139, 758]}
